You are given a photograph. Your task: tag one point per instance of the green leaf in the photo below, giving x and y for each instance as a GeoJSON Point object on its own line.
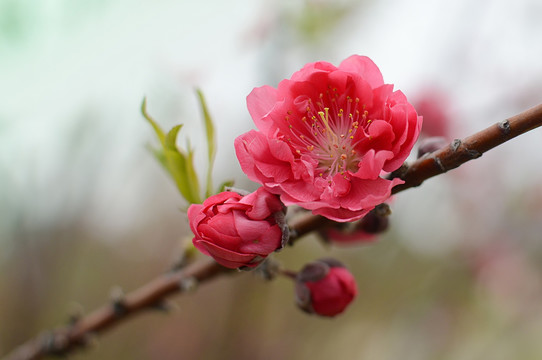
{"type": "Point", "coordinates": [211, 141]}
{"type": "Point", "coordinates": [170, 141]}
{"type": "Point", "coordinates": [159, 132]}
{"type": "Point", "coordinates": [181, 167]}
{"type": "Point", "coordinates": [191, 174]}
{"type": "Point", "coordinates": [176, 163]}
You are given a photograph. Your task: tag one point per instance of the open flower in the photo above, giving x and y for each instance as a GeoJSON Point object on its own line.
{"type": "Point", "coordinates": [238, 231]}
{"type": "Point", "coordinates": [327, 135]}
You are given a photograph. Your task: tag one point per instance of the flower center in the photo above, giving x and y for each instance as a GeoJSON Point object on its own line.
{"type": "Point", "coordinates": [330, 133]}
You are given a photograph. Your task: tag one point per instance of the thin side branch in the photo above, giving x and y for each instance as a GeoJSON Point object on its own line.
{"type": "Point", "coordinates": [153, 294]}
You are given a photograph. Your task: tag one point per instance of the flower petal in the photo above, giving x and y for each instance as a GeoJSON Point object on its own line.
{"type": "Point", "coordinates": [225, 257]}
{"type": "Point", "coordinates": [365, 67]}
{"type": "Point", "coordinates": [260, 102]}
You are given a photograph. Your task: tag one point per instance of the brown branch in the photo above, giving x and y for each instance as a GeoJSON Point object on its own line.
{"type": "Point", "coordinates": [153, 294]}
{"type": "Point", "coordinates": [472, 147]}
{"type": "Point", "coordinates": [64, 340]}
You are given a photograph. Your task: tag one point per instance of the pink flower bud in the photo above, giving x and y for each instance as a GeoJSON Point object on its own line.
{"type": "Point", "coordinates": [325, 287]}
{"type": "Point", "coordinates": [236, 230]}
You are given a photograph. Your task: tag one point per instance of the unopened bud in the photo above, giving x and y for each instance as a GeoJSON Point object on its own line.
{"type": "Point", "coordinates": [325, 287]}
{"type": "Point", "coordinates": [376, 221]}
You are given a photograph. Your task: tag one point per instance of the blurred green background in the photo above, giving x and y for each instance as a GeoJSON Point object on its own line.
{"type": "Point", "coordinates": [84, 207]}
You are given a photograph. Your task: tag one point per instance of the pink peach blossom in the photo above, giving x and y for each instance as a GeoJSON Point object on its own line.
{"type": "Point", "coordinates": [238, 231]}
{"type": "Point", "coordinates": [327, 135]}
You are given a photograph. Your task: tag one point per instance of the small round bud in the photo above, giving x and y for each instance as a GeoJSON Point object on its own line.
{"type": "Point", "coordinates": [362, 231]}
{"type": "Point", "coordinates": [376, 221]}
{"type": "Point", "coordinates": [325, 287]}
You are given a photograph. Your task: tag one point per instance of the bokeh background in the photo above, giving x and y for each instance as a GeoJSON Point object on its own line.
{"type": "Point", "coordinates": [84, 207]}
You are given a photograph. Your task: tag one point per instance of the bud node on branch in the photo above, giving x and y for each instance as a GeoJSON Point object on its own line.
{"type": "Point", "coordinates": [118, 302]}
{"type": "Point", "coordinates": [504, 126]}
{"type": "Point", "coordinates": [439, 164]}
{"type": "Point", "coordinates": [473, 154]}
{"type": "Point", "coordinates": [188, 284]}
{"type": "Point", "coordinates": [455, 145]}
